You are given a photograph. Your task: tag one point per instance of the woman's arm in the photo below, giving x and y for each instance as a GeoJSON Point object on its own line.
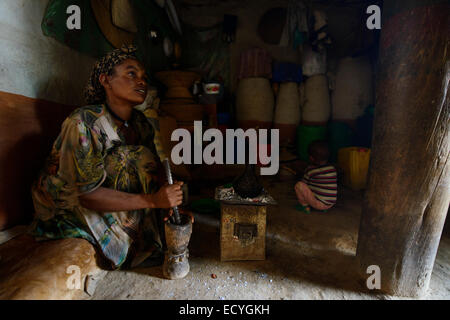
{"type": "Point", "coordinates": [104, 199]}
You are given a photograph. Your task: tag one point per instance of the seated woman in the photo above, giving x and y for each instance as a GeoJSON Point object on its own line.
{"type": "Point", "coordinates": [100, 181]}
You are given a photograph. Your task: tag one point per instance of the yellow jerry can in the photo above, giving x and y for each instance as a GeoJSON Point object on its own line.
{"type": "Point", "coordinates": [354, 162]}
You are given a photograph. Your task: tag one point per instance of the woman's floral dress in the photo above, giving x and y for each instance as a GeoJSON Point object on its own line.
{"type": "Point", "coordinates": [91, 152]}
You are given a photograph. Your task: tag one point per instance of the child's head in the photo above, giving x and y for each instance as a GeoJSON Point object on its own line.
{"type": "Point", "coordinates": [318, 152]}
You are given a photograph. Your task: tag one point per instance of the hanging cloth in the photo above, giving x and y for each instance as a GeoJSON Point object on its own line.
{"type": "Point", "coordinates": [89, 40]}
{"type": "Point", "coordinates": [296, 29]}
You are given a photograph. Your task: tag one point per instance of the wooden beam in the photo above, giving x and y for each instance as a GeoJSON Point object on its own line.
{"type": "Point", "coordinates": [408, 194]}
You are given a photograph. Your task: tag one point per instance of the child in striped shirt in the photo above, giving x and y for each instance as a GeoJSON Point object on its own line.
{"type": "Point", "coordinates": [318, 188]}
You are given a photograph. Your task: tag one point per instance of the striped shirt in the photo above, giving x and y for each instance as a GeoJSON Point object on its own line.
{"type": "Point", "coordinates": [322, 180]}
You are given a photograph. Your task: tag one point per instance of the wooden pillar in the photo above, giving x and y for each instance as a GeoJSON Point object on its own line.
{"type": "Point", "coordinates": [408, 194]}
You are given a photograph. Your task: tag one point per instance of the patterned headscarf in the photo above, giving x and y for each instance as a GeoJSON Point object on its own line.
{"type": "Point", "coordinates": [94, 92]}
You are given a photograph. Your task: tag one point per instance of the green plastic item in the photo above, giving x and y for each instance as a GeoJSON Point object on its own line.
{"type": "Point", "coordinates": [306, 135]}
{"type": "Point", "coordinates": [304, 209]}
{"type": "Point", "coordinates": [341, 136]}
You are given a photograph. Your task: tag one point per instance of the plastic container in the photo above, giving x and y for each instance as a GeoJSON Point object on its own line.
{"type": "Point", "coordinates": [255, 63]}
{"type": "Point", "coordinates": [340, 136]}
{"type": "Point", "coordinates": [287, 108]}
{"type": "Point", "coordinates": [317, 107]}
{"type": "Point", "coordinates": [255, 103]}
{"type": "Point", "coordinates": [354, 162]}
{"type": "Point", "coordinates": [287, 72]}
{"type": "Point", "coordinates": [306, 135]}
{"type": "Point", "coordinates": [354, 88]}
{"type": "Point", "coordinates": [313, 63]}
{"type": "Point", "coordinates": [364, 128]}
{"type": "Point", "coordinates": [287, 112]}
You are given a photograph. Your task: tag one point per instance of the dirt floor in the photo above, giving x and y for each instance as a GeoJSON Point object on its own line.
{"type": "Point", "coordinates": [308, 256]}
